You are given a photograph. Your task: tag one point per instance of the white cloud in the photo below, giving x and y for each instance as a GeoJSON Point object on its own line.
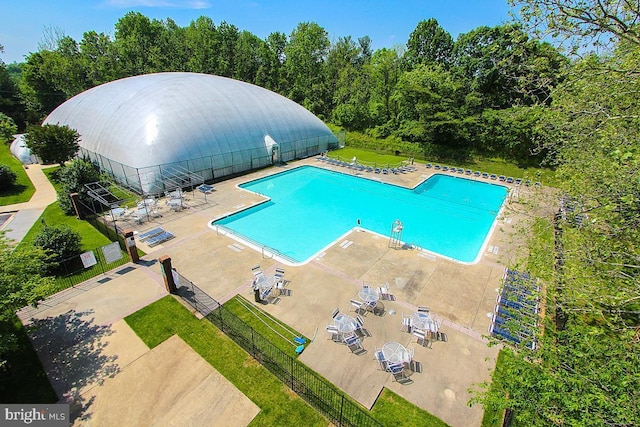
{"type": "Point", "coordinates": [176, 4]}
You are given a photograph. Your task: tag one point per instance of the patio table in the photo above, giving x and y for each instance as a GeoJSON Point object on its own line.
{"type": "Point", "coordinates": [395, 352]}
{"type": "Point", "coordinates": [264, 283]}
{"type": "Point", "coordinates": [368, 295]}
{"type": "Point", "coordinates": [345, 323]}
{"type": "Point", "coordinates": [423, 321]}
{"type": "Point", "coordinates": [146, 202]}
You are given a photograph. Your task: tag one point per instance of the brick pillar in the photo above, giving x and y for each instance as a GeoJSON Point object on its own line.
{"type": "Point", "coordinates": [130, 243]}
{"type": "Point", "coordinates": [167, 274]}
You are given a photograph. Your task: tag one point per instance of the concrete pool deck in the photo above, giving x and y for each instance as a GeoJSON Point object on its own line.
{"type": "Point", "coordinates": [460, 295]}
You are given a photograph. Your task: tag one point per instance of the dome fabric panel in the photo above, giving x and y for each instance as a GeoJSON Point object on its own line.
{"type": "Point", "coordinates": [147, 121]}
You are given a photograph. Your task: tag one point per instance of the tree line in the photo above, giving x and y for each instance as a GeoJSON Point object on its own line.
{"type": "Point", "coordinates": [473, 95]}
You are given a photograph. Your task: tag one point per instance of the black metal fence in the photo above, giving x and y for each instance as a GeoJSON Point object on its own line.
{"type": "Point", "coordinates": [72, 271]}
{"type": "Point", "coordinates": [317, 391]}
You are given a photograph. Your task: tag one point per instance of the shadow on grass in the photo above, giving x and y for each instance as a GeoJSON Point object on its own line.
{"type": "Point", "coordinates": [14, 190]}
{"type": "Point", "coordinates": [71, 347]}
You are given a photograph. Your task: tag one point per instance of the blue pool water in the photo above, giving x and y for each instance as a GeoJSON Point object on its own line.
{"type": "Point", "coordinates": [311, 207]}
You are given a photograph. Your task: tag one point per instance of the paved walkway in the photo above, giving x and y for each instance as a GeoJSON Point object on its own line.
{"type": "Point", "coordinates": [96, 362]}
{"type": "Point", "coordinates": [24, 215]}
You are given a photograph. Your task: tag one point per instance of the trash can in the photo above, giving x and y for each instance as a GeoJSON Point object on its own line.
{"type": "Point", "coordinates": [256, 294]}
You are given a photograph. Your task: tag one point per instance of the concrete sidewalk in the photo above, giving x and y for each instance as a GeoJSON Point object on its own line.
{"type": "Point", "coordinates": [27, 213]}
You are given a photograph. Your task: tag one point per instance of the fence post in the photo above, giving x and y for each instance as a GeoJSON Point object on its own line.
{"type": "Point", "coordinates": [253, 344]}
{"type": "Point", "coordinates": [292, 376]}
{"type": "Point", "coordinates": [167, 274]}
{"type": "Point", "coordinates": [341, 406]}
{"type": "Point", "coordinates": [132, 250]}
{"type": "Point", "coordinates": [221, 322]}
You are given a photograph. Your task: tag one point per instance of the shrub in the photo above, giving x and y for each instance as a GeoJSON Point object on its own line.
{"type": "Point", "coordinates": [60, 243]}
{"type": "Point", "coordinates": [72, 179]}
{"type": "Point", "coordinates": [7, 177]}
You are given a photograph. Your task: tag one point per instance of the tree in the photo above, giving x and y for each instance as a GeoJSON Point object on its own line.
{"type": "Point", "coordinates": [72, 179]}
{"type": "Point", "coordinates": [429, 43]}
{"type": "Point", "coordinates": [53, 143]}
{"type": "Point", "coordinates": [7, 177]}
{"type": "Point", "coordinates": [202, 41]}
{"type": "Point", "coordinates": [507, 68]}
{"type": "Point", "coordinates": [347, 75]}
{"type": "Point", "coordinates": [10, 104]}
{"type": "Point", "coordinates": [385, 71]}
{"type": "Point", "coordinates": [37, 86]}
{"type": "Point", "coordinates": [59, 242]}
{"type": "Point", "coordinates": [98, 58]}
{"type": "Point", "coordinates": [21, 284]}
{"type": "Point", "coordinates": [8, 128]}
{"type": "Point", "coordinates": [137, 44]}
{"type": "Point", "coordinates": [306, 54]}
{"type": "Point", "coordinates": [582, 24]}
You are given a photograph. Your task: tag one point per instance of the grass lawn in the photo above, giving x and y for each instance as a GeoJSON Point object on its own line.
{"type": "Point", "coordinates": [393, 410]}
{"type": "Point", "coordinates": [25, 380]}
{"type": "Point", "coordinates": [53, 215]}
{"type": "Point", "coordinates": [279, 406]}
{"type": "Point", "coordinates": [23, 188]}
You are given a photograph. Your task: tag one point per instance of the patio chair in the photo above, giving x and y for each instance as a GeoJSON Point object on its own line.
{"type": "Point", "coordinates": [370, 306]}
{"type": "Point", "coordinates": [353, 343]}
{"type": "Point", "coordinates": [423, 309]}
{"type": "Point", "coordinates": [406, 324]}
{"type": "Point", "coordinates": [335, 313]}
{"type": "Point", "coordinates": [415, 366]}
{"type": "Point", "coordinates": [279, 275]}
{"type": "Point", "coordinates": [431, 337]}
{"type": "Point", "coordinates": [256, 269]}
{"type": "Point", "coordinates": [420, 336]}
{"type": "Point", "coordinates": [360, 320]}
{"type": "Point", "coordinates": [333, 332]}
{"type": "Point", "coordinates": [379, 356]}
{"type": "Point", "coordinates": [285, 292]}
{"type": "Point", "coordinates": [357, 305]}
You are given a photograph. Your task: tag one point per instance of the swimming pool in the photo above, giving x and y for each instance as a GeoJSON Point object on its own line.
{"type": "Point", "coordinates": [310, 208]}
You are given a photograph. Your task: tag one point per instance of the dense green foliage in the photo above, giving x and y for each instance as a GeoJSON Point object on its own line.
{"type": "Point", "coordinates": [21, 284]}
{"type": "Point", "coordinates": [8, 127]}
{"type": "Point", "coordinates": [22, 378]}
{"type": "Point", "coordinates": [72, 179]}
{"type": "Point", "coordinates": [586, 370]}
{"type": "Point", "coordinates": [53, 143]}
{"type": "Point", "coordinates": [439, 94]}
{"type": "Point", "coordinates": [7, 177]}
{"type": "Point", "coordinates": [59, 242]}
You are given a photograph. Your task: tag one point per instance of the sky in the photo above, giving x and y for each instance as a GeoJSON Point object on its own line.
{"type": "Point", "coordinates": [389, 23]}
